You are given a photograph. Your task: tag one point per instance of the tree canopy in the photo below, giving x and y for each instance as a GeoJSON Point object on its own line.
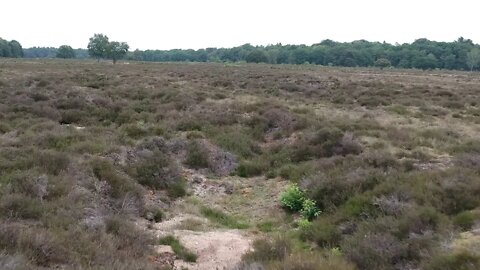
{"type": "Point", "coordinates": [97, 47]}
{"type": "Point", "coordinates": [65, 52]}
{"type": "Point", "coordinates": [100, 47]}
{"type": "Point", "coordinates": [473, 58]}
{"type": "Point", "coordinates": [257, 56]}
{"type": "Point", "coordinates": [10, 48]}
{"type": "Point", "coordinates": [116, 50]}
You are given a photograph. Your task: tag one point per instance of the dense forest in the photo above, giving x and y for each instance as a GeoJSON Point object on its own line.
{"type": "Point", "coordinates": [461, 54]}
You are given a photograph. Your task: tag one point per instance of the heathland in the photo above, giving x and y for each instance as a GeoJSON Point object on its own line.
{"type": "Point", "coordinates": [247, 166]}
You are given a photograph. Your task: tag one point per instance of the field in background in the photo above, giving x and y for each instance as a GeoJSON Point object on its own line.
{"type": "Point", "coordinates": [90, 150]}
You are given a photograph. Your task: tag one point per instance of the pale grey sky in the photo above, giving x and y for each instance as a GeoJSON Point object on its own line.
{"type": "Point", "coordinates": [157, 24]}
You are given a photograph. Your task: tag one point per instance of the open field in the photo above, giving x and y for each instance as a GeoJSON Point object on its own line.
{"type": "Point", "coordinates": [102, 166]}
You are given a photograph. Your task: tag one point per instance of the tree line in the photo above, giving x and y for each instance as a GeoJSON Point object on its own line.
{"type": "Point", "coordinates": [461, 54]}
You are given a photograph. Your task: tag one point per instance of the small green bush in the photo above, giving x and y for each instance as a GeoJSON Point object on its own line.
{"type": "Point", "coordinates": [304, 224]}
{"type": "Point", "coordinates": [292, 198]}
{"type": "Point", "coordinates": [309, 209]}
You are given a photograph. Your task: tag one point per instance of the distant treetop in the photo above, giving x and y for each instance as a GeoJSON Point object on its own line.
{"type": "Point", "coordinates": [65, 52]}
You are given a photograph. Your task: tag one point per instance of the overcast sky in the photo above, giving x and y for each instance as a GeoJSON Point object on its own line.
{"type": "Point", "coordinates": [157, 24]}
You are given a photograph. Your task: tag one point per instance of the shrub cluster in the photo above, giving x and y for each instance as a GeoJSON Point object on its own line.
{"type": "Point", "coordinates": [294, 199]}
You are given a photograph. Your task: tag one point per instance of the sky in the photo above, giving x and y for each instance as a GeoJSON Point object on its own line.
{"type": "Point", "coordinates": [195, 24]}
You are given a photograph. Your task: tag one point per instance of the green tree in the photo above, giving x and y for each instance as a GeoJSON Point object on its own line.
{"type": "Point", "coordinates": [65, 52]}
{"type": "Point", "coordinates": [473, 58]}
{"type": "Point", "coordinates": [117, 50]}
{"type": "Point", "coordinates": [5, 50]}
{"type": "Point", "coordinates": [98, 46]}
{"type": "Point", "coordinates": [15, 49]}
{"type": "Point", "coordinates": [257, 56]}
{"type": "Point", "coordinates": [425, 62]}
{"type": "Point", "coordinates": [382, 63]}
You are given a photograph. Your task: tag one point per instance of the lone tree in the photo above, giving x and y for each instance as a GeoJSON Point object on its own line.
{"type": "Point", "coordinates": [16, 48]}
{"type": "Point", "coordinates": [473, 58]}
{"type": "Point", "coordinates": [98, 45]}
{"type": "Point", "coordinates": [382, 63]}
{"type": "Point", "coordinates": [65, 52]}
{"type": "Point", "coordinates": [117, 50]}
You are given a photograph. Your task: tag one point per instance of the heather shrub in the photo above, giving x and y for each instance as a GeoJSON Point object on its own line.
{"type": "Point", "coordinates": [465, 220]}
{"type": "Point", "coordinates": [312, 261]}
{"type": "Point", "coordinates": [374, 250]}
{"type": "Point", "coordinates": [462, 260]}
{"type": "Point", "coordinates": [249, 168]}
{"type": "Point", "coordinates": [197, 156]}
{"type": "Point", "coordinates": [323, 232]}
{"type": "Point", "coordinates": [271, 249]}
{"type": "Point", "coordinates": [120, 184]}
{"type": "Point", "coordinates": [156, 170]}
{"type": "Point", "coordinates": [13, 206]}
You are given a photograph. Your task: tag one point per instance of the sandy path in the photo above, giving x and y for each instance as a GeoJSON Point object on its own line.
{"type": "Point", "coordinates": [215, 249]}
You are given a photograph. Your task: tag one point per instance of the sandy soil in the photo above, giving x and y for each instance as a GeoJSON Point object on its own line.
{"type": "Point", "coordinates": [215, 249]}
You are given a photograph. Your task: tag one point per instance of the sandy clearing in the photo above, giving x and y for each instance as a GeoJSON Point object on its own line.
{"type": "Point", "coordinates": [215, 249]}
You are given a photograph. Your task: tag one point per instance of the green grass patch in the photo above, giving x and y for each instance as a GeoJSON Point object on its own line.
{"type": "Point", "coordinates": [181, 251]}
{"type": "Point", "coordinates": [217, 216]}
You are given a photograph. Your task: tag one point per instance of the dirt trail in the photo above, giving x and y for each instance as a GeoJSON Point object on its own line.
{"type": "Point", "coordinates": [216, 248]}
